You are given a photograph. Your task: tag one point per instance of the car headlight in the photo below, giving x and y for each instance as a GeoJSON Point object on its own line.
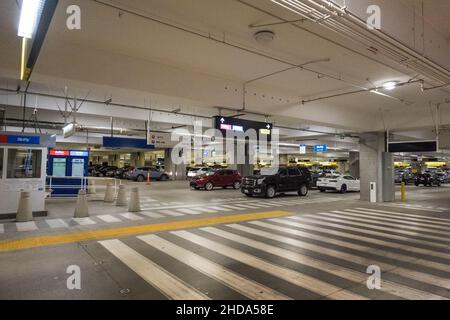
{"type": "Point", "coordinates": [259, 181]}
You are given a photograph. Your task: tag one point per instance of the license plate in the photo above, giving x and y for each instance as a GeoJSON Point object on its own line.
{"type": "Point", "coordinates": [246, 191]}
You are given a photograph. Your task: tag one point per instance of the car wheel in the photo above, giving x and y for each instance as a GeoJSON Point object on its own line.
{"type": "Point", "coordinates": [343, 188]}
{"type": "Point", "coordinates": [249, 195]}
{"type": "Point", "coordinates": [303, 191]}
{"type": "Point", "coordinates": [270, 192]}
{"type": "Point", "coordinates": [322, 190]}
{"type": "Point", "coordinates": [196, 188]}
{"type": "Point", "coordinates": [140, 178]}
{"type": "Point", "coordinates": [209, 186]}
{"type": "Point", "coordinates": [164, 177]}
{"type": "Point", "coordinates": [416, 184]}
{"type": "Point", "coordinates": [236, 185]}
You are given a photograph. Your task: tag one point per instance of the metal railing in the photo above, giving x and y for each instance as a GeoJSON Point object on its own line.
{"type": "Point", "coordinates": [84, 183]}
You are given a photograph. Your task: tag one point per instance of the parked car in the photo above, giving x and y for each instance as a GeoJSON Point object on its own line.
{"type": "Point", "coordinates": [428, 179]}
{"type": "Point", "coordinates": [140, 174]}
{"type": "Point", "coordinates": [269, 183]}
{"type": "Point", "coordinates": [101, 172]}
{"type": "Point", "coordinates": [121, 172]}
{"type": "Point", "coordinates": [443, 176]}
{"type": "Point", "coordinates": [217, 178]}
{"type": "Point", "coordinates": [93, 168]}
{"type": "Point", "coordinates": [404, 176]}
{"type": "Point", "coordinates": [193, 172]}
{"type": "Point", "coordinates": [341, 183]}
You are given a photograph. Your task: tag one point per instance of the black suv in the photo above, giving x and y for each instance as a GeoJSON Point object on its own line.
{"type": "Point", "coordinates": [284, 180]}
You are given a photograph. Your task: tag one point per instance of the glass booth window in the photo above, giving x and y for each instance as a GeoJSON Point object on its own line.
{"type": "Point", "coordinates": [24, 163]}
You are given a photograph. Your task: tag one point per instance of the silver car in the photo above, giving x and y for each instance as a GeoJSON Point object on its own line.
{"type": "Point", "coordinates": [140, 174]}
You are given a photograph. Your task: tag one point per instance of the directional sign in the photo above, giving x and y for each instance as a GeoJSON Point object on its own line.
{"type": "Point", "coordinates": [320, 148]}
{"type": "Point", "coordinates": [303, 149]}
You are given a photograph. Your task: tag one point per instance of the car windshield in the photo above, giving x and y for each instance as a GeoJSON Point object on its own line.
{"type": "Point", "coordinates": [209, 173]}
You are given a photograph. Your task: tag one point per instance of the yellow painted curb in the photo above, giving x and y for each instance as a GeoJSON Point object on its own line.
{"type": "Point", "coordinates": [42, 241]}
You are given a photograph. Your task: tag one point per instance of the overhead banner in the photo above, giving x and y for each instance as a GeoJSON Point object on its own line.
{"type": "Point", "coordinates": [227, 124]}
{"type": "Point", "coordinates": [160, 140]}
{"type": "Point", "coordinates": [126, 143]}
{"type": "Point", "coordinates": [413, 146]}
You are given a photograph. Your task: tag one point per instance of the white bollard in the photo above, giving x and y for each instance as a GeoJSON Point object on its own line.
{"type": "Point", "coordinates": [91, 187]}
{"type": "Point", "coordinates": [134, 205]}
{"type": "Point", "coordinates": [109, 194]}
{"type": "Point", "coordinates": [24, 212]}
{"type": "Point", "coordinates": [121, 196]}
{"type": "Point", "coordinates": [82, 210]}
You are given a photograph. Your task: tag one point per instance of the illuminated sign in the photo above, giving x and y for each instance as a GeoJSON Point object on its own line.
{"type": "Point", "coordinates": [265, 131]}
{"type": "Point", "coordinates": [240, 125]}
{"type": "Point", "coordinates": [303, 149]}
{"type": "Point", "coordinates": [3, 138]}
{"type": "Point", "coordinates": [79, 153]}
{"type": "Point", "coordinates": [320, 148]}
{"type": "Point", "coordinates": [59, 153]}
{"type": "Point", "coordinates": [435, 164]}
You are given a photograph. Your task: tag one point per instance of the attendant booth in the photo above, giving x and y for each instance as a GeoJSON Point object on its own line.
{"type": "Point", "coordinates": [23, 159]}
{"type": "Point", "coordinates": [67, 171]}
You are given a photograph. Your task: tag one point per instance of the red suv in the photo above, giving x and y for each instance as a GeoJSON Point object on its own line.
{"type": "Point", "coordinates": [218, 178]}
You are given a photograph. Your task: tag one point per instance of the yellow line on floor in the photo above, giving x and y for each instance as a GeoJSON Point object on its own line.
{"type": "Point", "coordinates": [71, 237]}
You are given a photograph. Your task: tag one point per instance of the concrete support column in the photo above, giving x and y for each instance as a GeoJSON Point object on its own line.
{"type": "Point", "coordinates": [353, 163]}
{"type": "Point", "coordinates": [177, 172]}
{"type": "Point", "coordinates": [376, 165]}
{"type": "Point", "coordinates": [283, 158]}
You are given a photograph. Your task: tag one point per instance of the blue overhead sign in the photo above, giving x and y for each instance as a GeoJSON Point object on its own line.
{"type": "Point", "coordinates": [33, 140]}
{"type": "Point", "coordinates": [320, 148]}
{"type": "Point", "coordinates": [115, 142]}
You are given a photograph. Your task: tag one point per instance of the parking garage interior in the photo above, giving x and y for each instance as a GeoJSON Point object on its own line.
{"type": "Point", "coordinates": [99, 101]}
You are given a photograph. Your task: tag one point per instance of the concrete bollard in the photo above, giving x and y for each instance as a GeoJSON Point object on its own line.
{"type": "Point", "coordinates": [24, 212]}
{"type": "Point", "coordinates": [82, 210]}
{"type": "Point", "coordinates": [121, 196]}
{"type": "Point", "coordinates": [134, 205]}
{"type": "Point", "coordinates": [91, 187]}
{"type": "Point", "coordinates": [109, 194]}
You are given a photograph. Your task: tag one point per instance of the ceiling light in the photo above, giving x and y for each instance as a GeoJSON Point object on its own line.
{"type": "Point", "coordinates": [264, 37]}
{"type": "Point", "coordinates": [390, 85]}
{"type": "Point", "coordinates": [29, 17]}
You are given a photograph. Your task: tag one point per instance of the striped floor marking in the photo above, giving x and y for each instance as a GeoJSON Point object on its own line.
{"type": "Point", "coordinates": [431, 279]}
{"type": "Point", "coordinates": [171, 286]}
{"type": "Point", "coordinates": [152, 214]}
{"type": "Point", "coordinates": [206, 210]}
{"type": "Point", "coordinates": [411, 208]}
{"type": "Point", "coordinates": [217, 208]}
{"type": "Point", "coordinates": [56, 223]}
{"type": "Point", "coordinates": [108, 218]}
{"type": "Point", "coordinates": [401, 214]}
{"type": "Point", "coordinates": [26, 226]}
{"type": "Point", "coordinates": [232, 207]}
{"type": "Point", "coordinates": [371, 232]}
{"type": "Point", "coordinates": [188, 211]}
{"type": "Point", "coordinates": [2, 228]}
{"type": "Point", "coordinates": [244, 206]}
{"type": "Point", "coordinates": [314, 285]}
{"type": "Point", "coordinates": [249, 288]}
{"type": "Point", "coordinates": [84, 221]}
{"type": "Point", "coordinates": [339, 271]}
{"type": "Point", "coordinates": [171, 213]}
{"type": "Point", "coordinates": [131, 216]}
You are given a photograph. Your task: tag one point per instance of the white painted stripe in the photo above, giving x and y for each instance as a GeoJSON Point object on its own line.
{"type": "Point", "coordinates": [26, 226]}
{"type": "Point", "coordinates": [294, 277]}
{"type": "Point", "coordinates": [84, 221]}
{"type": "Point", "coordinates": [362, 238]}
{"type": "Point", "coordinates": [206, 210]}
{"type": "Point", "coordinates": [351, 245]}
{"type": "Point", "coordinates": [219, 208]}
{"type": "Point", "coordinates": [151, 214]}
{"type": "Point", "coordinates": [337, 270]}
{"type": "Point", "coordinates": [363, 230]}
{"type": "Point", "coordinates": [399, 206]}
{"type": "Point", "coordinates": [56, 223]}
{"type": "Point", "coordinates": [386, 219]}
{"type": "Point", "coordinates": [331, 217]}
{"type": "Point", "coordinates": [171, 213]}
{"type": "Point", "coordinates": [167, 283]}
{"type": "Point", "coordinates": [428, 218]}
{"type": "Point", "coordinates": [244, 206]}
{"type": "Point", "coordinates": [261, 205]}
{"type": "Point", "coordinates": [2, 228]}
{"type": "Point", "coordinates": [189, 211]}
{"type": "Point", "coordinates": [131, 216]}
{"type": "Point", "coordinates": [247, 287]}
{"type": "Point", "coordinates": [415, 221]}
{"type": "Point", "coordinates": [232, 207]}
{"type": "Point", "coordinates": [108, 218]}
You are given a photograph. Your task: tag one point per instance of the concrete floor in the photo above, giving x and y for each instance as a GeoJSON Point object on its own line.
{"type": "Point", "coordinates": [320, 250]}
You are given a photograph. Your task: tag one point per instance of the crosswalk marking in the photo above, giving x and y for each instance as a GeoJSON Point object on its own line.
{"type": "Point", "coordinates": [364, 230]}
{"type": "Point", "coordinates": [233, 207]}
{"type": "Point", "coordinates": [108, 218]}
{"type": "Point", "coordinates": [249, 288]}
{"type": "Point", "coordinates": [347, 244]}
{"type": "Point", "coordinates": [401, 214]}
{"type": "Point", "coordinates": [367, 238]}
{"type": "Point", "coordinates": [206, 210]}
{"type": "Point", "coordinates": [314, 285]}
{"type": "Point", "coordinates": [339, 271]}
{"type": "Point", "coordinates": [26, 226]}
{"type": "Point", "coordinates": [171, 213]}
{"type": "Point", "coordinates": [360, 217]}
{"type": "Point", "coordinates": [84, 221]}
{"type": "Point", "coordinates": [188, 211]}
{"type": "Point", "coordinates": [245, 206]}
{"type": "Point", "coordinates": [131, 216]}
{"type": "Point", "coordinates": [330, 217]}
{"type": "Point", "coordinates": [404, 220]}
{"type": "Point", "coordinates": [56, 223]}
{"type": "Point", "coordinates": [152, 214]}
{"type": "Point", "coordinates": [167, 283]}
{"type": "Point", "coordinates": [410, 208]}
{"type": "Point", "coordinates": [217, 208]}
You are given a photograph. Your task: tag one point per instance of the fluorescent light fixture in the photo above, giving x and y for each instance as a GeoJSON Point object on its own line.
{"type": "Point", "coordinates": [68, 130]}
{"type": "Point", "coordinates": [390, 85]}
{"type": "Point", "coordinates": [29, 17]}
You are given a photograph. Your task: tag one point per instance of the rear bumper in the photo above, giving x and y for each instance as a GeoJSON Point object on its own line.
{"type": "Point", "coordinates": [326, 187]}
{"type": "Point", "coordinates": [257, 190]}
{"type": "Point", "coordinates": [195, 184]}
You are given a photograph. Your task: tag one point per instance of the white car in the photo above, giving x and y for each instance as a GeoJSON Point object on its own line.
{"type": "Point", "coordinates": [341, 183]}
{"type": "Point", "coordinates": [198, 172]}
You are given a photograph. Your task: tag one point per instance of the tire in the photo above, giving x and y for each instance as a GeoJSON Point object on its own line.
{"type": "Point", "coordinates": [322, 190]}
{"type": "Point", "coordinates": [196, 188]}
{"type": "Point", "coordinates": [140, 178]}
{"type": "Point", "coordinates": [416, 184]}
{"type": "Point", "coordinates": [249, 195]}
{"type": "Point", "coordinates": [343, 188]}
{"type": "Point", "coordinates": [236, 185]}
{"type": "Point", "coordinates": [164, 177]}
{"type": "Point", "coordinates": [303, 190]}
{"type": "Point", "coordinates": [270, 192]}
{"type": "Point", "coordinates": [209, 186]}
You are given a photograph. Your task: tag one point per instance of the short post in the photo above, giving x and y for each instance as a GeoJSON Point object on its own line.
{"type": "Point", "coordinates": [148, 178]}
{"type": "Point", "coordinates": [134, 205]}
{"type": "Point", "coordinates": [24, 212]}
{"type": "Point", "coordinates": [403, 191]}
{"type": "Point", "coordinates": [121, 196]}
{"type": "Point", "coordinates": [91, 186]}
{"type": "Point", "coordinates": [109, 194]}
{"type": "Point", "coordinates": [82, 210]}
